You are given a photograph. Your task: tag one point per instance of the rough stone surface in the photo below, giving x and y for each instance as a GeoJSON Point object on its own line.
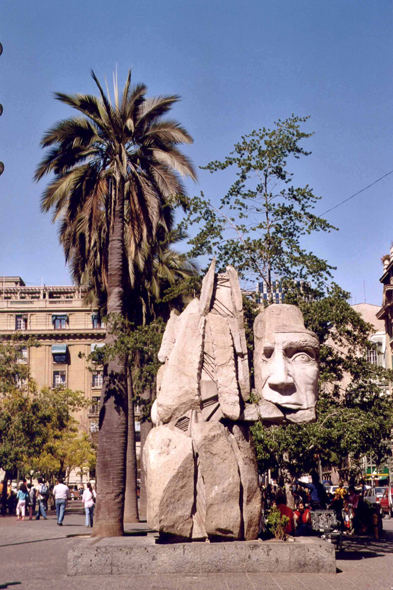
{"type": "Point", "coordinates": [220, 476]}
{"type": "Point", "coordinates": [237, 298]}
{"type": "Point", "coordinates": [222, 302]}
{"type": "Point", "coordinates": [123, 557]}
{"type": "Point", "coordinates": [169, 338]}
{"type": "Point", "coordinates": [224, 358]}
{"type": "Point", "coordinates": [179, 390]}
{"type": "Point", "coordinates": [238, 332]}
{"type": "Point", "coordinates": [252, 500]}
{"type": "Point", "coordinates": [207, 289]}
{"type": "Point", "coordinates": [243, 375]}
{"type": "Point", "coordinates": [168, 462]}
{"type": "Point", "coordinates": [208, 384]}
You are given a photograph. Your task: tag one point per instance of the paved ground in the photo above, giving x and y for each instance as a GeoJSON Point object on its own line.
{"type": "Point", "coordinates": [33, 556]}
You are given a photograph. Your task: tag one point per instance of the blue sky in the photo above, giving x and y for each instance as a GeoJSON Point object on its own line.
{"type": "Point", "coordinates": [238, 65]}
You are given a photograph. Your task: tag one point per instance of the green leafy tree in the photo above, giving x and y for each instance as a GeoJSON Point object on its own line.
{"type": "Point", "coordinates": [61, 446]}
{"type": "Point", "coordinates": [260, 221]}
{"type": "Point", "coordinates": [36, 427]}
{"type": "Point", "coordinates": [116, 171]}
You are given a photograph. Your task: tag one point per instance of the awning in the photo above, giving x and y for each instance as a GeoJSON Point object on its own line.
{"type": "Point", "coordinates": [57, 316]}
{"type": "Point", "coordinates": [59, 349]}
{"type": "Point", "coordinates": [97, 345]}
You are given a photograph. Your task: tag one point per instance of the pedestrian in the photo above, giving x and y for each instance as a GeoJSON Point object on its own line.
{"type": "Point", "coordinates": [302, 517]}
{"type": "Point", "coordinates": [353, 501]}
{"type": "Point", "coordinates": [32, 499]}
{"type": "Point", "coordinates": [88, 500]}
{"type": "Point", "coordinates": [61, 494]}
{"type": "Point", "coordinates": [21, 496]}
{"type": "Point", "coordinates": [317, 491]}
{"type": "Point", "coordinates": [42, 496]}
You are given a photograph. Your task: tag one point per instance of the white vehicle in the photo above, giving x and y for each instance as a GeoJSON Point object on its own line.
{"type": "Point", "coordinates": [374, 495]}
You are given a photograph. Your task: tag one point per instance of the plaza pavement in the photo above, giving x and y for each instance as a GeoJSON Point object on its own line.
{"type": "Point", "coordinates": [33, 555]}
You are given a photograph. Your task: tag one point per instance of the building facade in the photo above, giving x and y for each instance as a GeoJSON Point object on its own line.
{"type": "Point", "coordinates": [386, 312]}
{"type": "Point", "coordinates": [67, 331]}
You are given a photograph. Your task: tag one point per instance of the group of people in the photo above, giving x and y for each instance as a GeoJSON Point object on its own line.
{"type": "Point", "coordinates": [29, 497]}
{"type": "Point", "coordinates": [313, 496]}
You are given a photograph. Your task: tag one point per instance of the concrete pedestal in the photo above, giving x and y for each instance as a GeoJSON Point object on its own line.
{"type": "Point", "coordinates": [132, 555]}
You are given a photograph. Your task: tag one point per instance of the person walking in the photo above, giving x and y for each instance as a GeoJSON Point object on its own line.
{"type": "Point", "coordinates": [32, 499]}
{"type": "Point", "coordinates": [61, 494]}
{"type": "Point", "coordinates": [88, 499]}
{"type": "Point", "coordinates": [21, 496]}
{"type": "Point", "coordinates": [42, 495]}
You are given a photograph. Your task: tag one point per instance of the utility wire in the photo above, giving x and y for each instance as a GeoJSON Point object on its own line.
{"type": "Point", "coordinates": [358, 193]}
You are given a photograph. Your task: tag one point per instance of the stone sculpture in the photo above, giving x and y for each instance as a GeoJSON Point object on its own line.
{"type": "Point", "coordinates": [199, 460]}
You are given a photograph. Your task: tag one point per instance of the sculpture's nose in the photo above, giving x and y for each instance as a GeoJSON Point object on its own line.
{"type": "Point", "coordinates": [280, 380]}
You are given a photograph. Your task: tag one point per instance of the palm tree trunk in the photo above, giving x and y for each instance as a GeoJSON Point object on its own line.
{"type": "Point", "coordinates": [131, 500]}
{"type": "Point", "coordinates": [112, 439]}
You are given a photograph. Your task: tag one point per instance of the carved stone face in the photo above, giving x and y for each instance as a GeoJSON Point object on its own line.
{"type": "Point", "coordinates": [286, 362]}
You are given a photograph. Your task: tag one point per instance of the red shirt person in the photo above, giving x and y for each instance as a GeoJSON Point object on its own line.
{"type": "Point", "coordinates": [303, 520]}
{"type": "Point", "coordinates": [285, 511]}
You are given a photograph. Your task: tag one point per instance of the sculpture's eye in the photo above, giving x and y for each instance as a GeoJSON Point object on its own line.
{"type": "Point", "coordinates": [303, 356]}
{"type": "Point", "coordinates": [268, 352]}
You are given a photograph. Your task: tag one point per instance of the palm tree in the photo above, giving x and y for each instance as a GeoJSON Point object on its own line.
{"type": "Point", "coordinates": [160, 268]}
{"type": "Point", "coordinates": [116, 169]}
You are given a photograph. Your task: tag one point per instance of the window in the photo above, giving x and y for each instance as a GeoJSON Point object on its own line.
{"type": "Point", "coordinates": [97, 380]}
{"type": "Point", "coordinates": [95, 405]}
{"type": "Point", "coordinates": [94, 427]}
{"type": "Point", "coordinates": [96, 321]}
{"type": "Point", "coordinates": [372, 357]}
{"type": "Point", "coordinates": [59, 378]}
{"type": "Point", "coordinates": [60, 358]}
{"type": "Point", "coordinates": [376, 357]}
{"type": "Point", "coordinates": [20, 322]}
{"type": "Point", "coordinates": [59, 322]}
{"type": "Point", "coordinates": [23, 352]}
{"type": "Point", "coordinates": [59, 353]}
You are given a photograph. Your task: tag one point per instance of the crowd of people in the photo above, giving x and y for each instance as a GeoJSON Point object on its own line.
{"type": "Point", "coordinates": [32, 501]}
{"type": "Point", "coordinates": [308, 497]}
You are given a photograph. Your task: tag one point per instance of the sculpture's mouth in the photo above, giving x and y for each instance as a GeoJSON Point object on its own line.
{"type": "Point", "coordinates": [291, 406]}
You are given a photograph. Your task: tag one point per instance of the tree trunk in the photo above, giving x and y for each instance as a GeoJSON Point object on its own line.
{"type": "Point", "coordinates": [288, 484]}
{"type": "Point", "coordinates": [145, 429]}
{"type": "Point", "coordinates": [131, 499]}
{"type": "Point", "coordinates": [7, 476]}
{"type": "Point", "coordinates": [112, 439]}
{"type": "Point", "coordinates": [146, 426]}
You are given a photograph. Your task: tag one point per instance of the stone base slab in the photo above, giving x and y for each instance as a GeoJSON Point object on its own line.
{"type": "Point", "coordinates": [124, 556]}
